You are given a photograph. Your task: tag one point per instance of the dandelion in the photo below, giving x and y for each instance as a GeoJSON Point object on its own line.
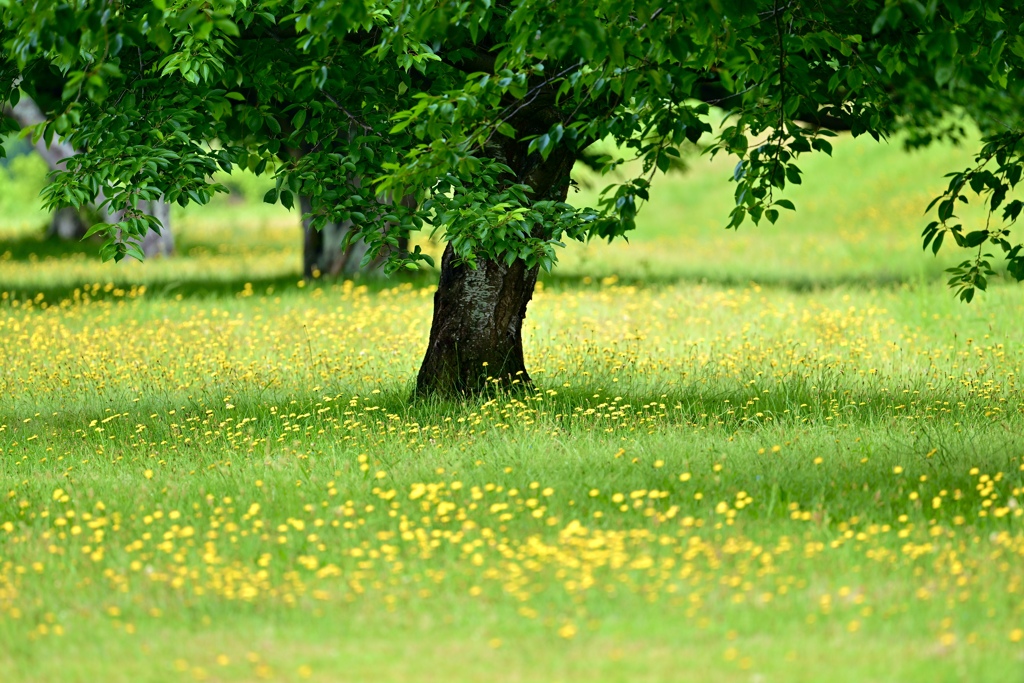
{"type": "Point", "coordinates": [321, 497]}
{"type": "Point", "coordinates": [567, 631]}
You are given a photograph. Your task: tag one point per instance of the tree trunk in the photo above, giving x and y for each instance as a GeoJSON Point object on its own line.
{"type": "Point", "coordinates": [312, 242]}
{"type": "Point", "coordinates": [476, 337]}
{"type": "Point", "coordinates": [322, 252]}
{"type": "Point", "coordinates": [69, 223]}
{"type": "Point", "coordinates": [159, 243]}
{"type": "Point", "coordinates": [153, 243]}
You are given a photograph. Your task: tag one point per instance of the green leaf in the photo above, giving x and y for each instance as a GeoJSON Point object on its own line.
{"type": "Point", "coordinates": [822, 146]}
{"type": "Point", "coordinates": [973, 239]}
{"type": "Point", "coordinates": [227, 27]}
{"type": "Point", "coordinates": [135, 251]}
{"type": "Point", "coordinates": [879, 24]}
{"type": "Point", "coordinates": [944, 73]}
{"type": "Point", "coordinates": [95, 229]}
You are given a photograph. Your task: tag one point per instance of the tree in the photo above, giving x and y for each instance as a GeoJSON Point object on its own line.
{"type": "Point", "coordinates": [329, 251]}
{"type": "Point", "coordinates": [68, 222]}
{"type": "Point", "coordinates": [479, 109]}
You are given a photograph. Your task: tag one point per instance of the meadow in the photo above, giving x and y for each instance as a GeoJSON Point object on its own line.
{"type": "Point", "coordinates": [780, 454]}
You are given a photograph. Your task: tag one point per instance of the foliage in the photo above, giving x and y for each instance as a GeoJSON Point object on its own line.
{"type": "Point", "coordinates": [418, 95]}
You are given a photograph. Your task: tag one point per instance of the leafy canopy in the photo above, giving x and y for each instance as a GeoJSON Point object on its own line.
{"type": "Point", "coordinates": [346, 100]}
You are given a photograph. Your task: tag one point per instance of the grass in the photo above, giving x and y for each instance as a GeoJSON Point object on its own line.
{"type": "Point", "coordinates": [210, 472]}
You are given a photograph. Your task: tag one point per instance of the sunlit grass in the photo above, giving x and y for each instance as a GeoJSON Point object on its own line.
{"type": "Point", "coordinates": [771, 468]}
{"type": "Point", "coordinates": [771, 477]}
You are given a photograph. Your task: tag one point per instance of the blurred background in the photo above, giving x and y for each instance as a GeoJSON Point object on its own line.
{"type": "Point", "coordinates": [858, 221]}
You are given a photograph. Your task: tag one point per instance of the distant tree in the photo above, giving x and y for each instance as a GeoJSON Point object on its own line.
{"type": "Point", "coordinates": [70, 222]}
{"type": "Point", "coordinates": [328, 250]}
{"type": "Point", "coordinates": [67, 222]}
{"type": "Point", "coordinates": [479, 109]}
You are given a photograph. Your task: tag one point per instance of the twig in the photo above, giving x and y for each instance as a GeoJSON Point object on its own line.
{"type": "Point", "coordinates": [347, 113]}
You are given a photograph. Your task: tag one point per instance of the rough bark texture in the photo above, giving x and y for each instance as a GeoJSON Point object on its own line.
{"type": "Point", "coordinates": [477, 329]}
{"type": "Point", "coordinates": [476, 337]}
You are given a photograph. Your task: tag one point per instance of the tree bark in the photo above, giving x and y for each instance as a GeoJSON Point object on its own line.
{"type": "Point", "coordinates": [476, 337]}
{"type": "Point", "coordinates": [159, 243]}
{"type": "Point", "coordinates": [67, 223]}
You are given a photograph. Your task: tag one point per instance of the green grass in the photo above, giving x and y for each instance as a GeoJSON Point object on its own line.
{"type": "Point", "coordinates": [820, 474]}
{"type": "Point", "coordinates": [858, 221]}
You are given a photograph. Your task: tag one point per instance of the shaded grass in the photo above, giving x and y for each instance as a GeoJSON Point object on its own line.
{"type": "Point", "coordinates": [813, 478]}
{"type": "Point", "coordinates": [462, 647]}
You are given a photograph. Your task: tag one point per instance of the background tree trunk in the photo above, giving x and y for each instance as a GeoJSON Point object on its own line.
{"type": "Point", "coordinates": [154, 243]}
{"type": "Point", "coordinates": [69, 223]}
{"type": "Point", "coordinates": [159, 243]}
{"type": "Point", "coordinates": [322, 252]}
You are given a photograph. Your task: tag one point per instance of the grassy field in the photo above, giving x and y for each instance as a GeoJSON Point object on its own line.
{"type": "Point", "coordinates": [783, 454]}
